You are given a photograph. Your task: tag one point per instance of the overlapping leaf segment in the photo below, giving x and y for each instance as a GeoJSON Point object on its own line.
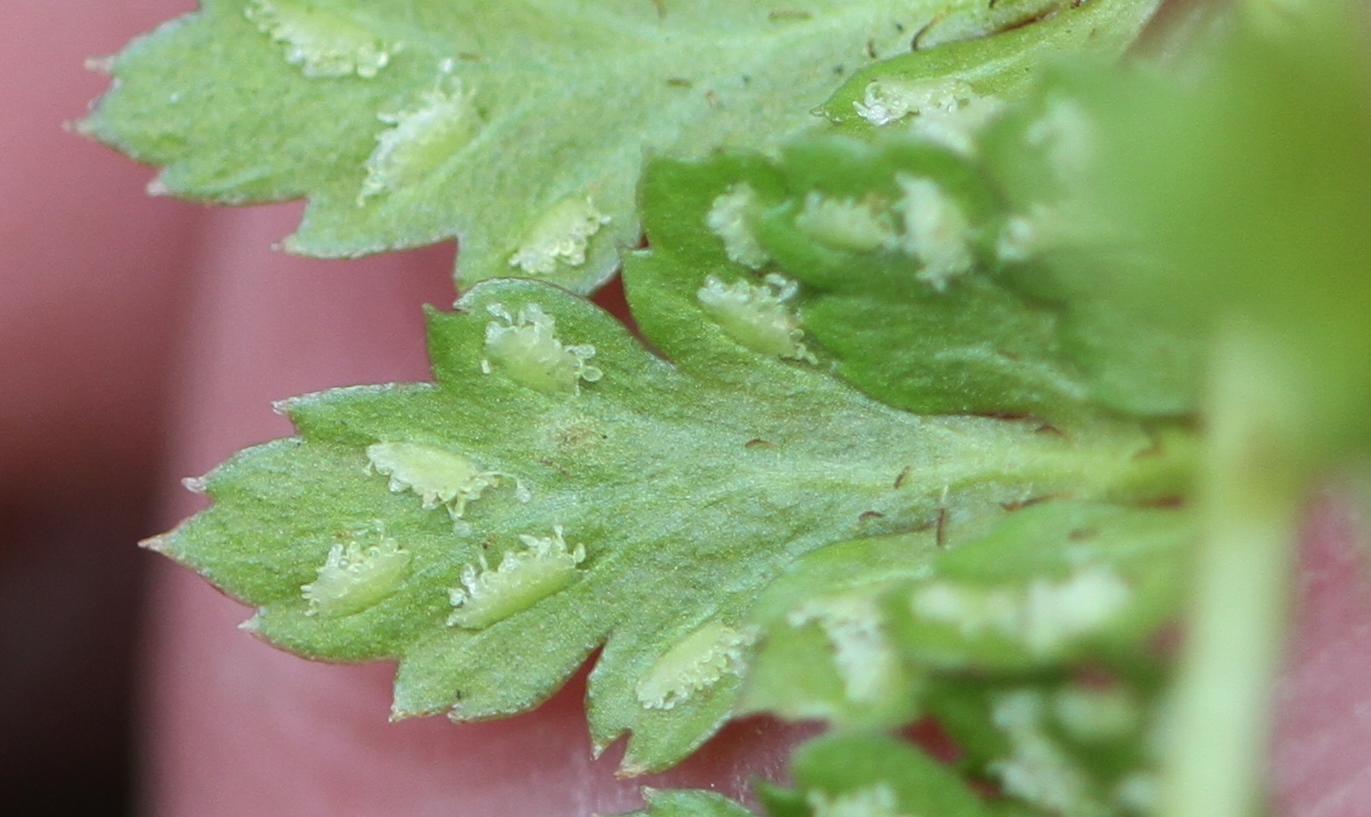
{"type": "Point", "coordinates": [1028, 632]}
{"type": "Point", "coordinates": [866, 775]}
{"type": "Point", "coordinates": [1267, 268]}
{"type": "Point", "coordinates": [518, 126]}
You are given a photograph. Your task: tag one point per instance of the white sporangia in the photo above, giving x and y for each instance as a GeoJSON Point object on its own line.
{"type": "Point", "coordinates": [560, 237]}
{"type": "Point", "coordinates": [956, 129]}
{"type": "Point", "coordinates": [420, 139]}
{"type": "Point", "coordinates": [886, 100]}
{"type": "Point", "coordinates": [861, 226]}
{"type": "Point", "coordinates": [1094, 715]}
{"type": "Point", "coordinates": [1037, 769]}
{"type": "Point", "coordinates": [937, 232]}
{"type": "Point", "coordinates": [1067, 136]}
{"type": "Point", "coordinates": [441, 477]}
{"type": "Point", "coordinates": [727, 219]}
{"type": "Point", "coordinates": [1048, 227]}
{"type": "Point", "coordinates": [1043, 616]}
{"type": "Point", "coordinates": [757, 315]}
{"type": "Point", "coordinates": [354, 578]}
{"type": "Point", "coordinates": [1021, 236]}
{"type": "Point", "coordinates": [696, 662]}
{"type": "Point", "coordinates": [321, 44]}
{"type": "Point", "coordinates": [1083, 603]}
{"type": "Point", "coordinates": [526, 575]}
{"type": "Point", "coordinates": [526, 348]}
{"type": "Point", "coordinates": [862, 656]}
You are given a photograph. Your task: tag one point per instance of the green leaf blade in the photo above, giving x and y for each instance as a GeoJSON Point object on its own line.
{"type": "Point", "coordinates": [685, 493]}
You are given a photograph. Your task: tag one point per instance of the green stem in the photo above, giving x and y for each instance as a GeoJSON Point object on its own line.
{"type": "Point", "coordinates": [1252, 490]}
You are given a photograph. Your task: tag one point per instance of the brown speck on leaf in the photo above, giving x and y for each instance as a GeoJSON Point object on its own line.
{"type": "Point", "coordinates": [940, 533]}
{"type": "Point", "coordinates": [871, 48]}
{"type": "Point", "coordinates": [902, 476]}
{"type": "Point", "coordinates": [470, 56]}
{"type": "Point", "coordinates": [756, 442]}
{"type": "Point", "coordinates": [788, 14]}
{"type": "Point", "coordinates": [578, 436]}
{"type": "Point", "coordinates": [1031, 19]}
{"type": "Point", "coordinates": [1166, 642]}
{"type": "Point", "coordinates": [1081, 534]}
{"type": "Point", "coordinates": [1097, 677]}
{"type": "Point", "coordinates": [868, 515]}
{"type": "Point", "coordinates": [930, 736]}
{"type": "Point", "coordinates": [919, 35]}
{"type": "Point", "coordinates": [1167, 502]}
{"type": "Point", "coordinates": [679, 82]}
{"type": "Point", "coordinates": [1006, 415]}
{"type": "Point", "coordinates": [1020, 504]}
{"type": "Point", "coordinates": [550, 463]}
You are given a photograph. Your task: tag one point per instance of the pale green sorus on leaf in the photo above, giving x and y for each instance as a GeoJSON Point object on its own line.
{"type": "Point", "coordinates": [516, 127]}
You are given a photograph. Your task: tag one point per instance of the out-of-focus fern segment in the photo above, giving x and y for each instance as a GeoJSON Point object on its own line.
{"type": "Point", "coordinates": [1045, 738]}
{"type": "Point", "coordinates": [517, 127]}
{"type": "Point", "coordinates": [883, 623]}
{"type": "Point", "coordinates": [1251, 190]}
{"type": "Point", "coordinates": [1167, 233]}
{"type": "Point", "coordinates": [1248, 189]}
